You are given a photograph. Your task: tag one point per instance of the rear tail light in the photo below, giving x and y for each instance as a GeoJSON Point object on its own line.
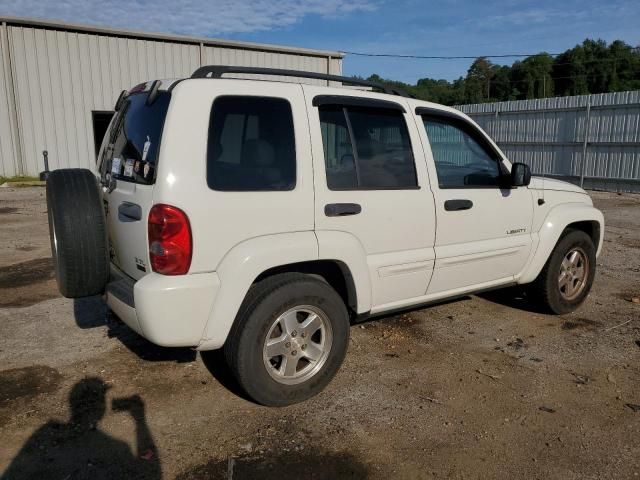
{"type": "Point", "coordinates": [170, 243]}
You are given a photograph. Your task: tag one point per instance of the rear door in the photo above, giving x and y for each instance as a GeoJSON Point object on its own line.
{"type": "Point", "coordinates": [129, 160]}
{"type": "Point", "coordinates": [371, 183]}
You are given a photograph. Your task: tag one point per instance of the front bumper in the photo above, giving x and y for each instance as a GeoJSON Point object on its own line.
{"type": "Point", "coordinates": [170, 311]}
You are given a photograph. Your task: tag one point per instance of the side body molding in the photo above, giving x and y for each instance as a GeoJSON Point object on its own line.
{"type": "Point", "coordinates": [552, 227]}
{"type": "Point", "coordinates": [240, 267]}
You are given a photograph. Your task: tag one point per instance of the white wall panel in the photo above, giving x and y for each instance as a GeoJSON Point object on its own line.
{"type": "Point", "coordinates": [8, 166]}
{"type": "Point", "coordinates": [214, 55]}
{"type": "Point", "coordinates": [61, 76]}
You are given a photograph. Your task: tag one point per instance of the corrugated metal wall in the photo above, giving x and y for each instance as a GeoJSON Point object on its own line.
{"type": "Point", "coordinates": [589, 139]}
{"type": "Point", "coordinates": [235, 56]}
{"type": "Point", "coordinates": [8, 165]}
{"type": "Point", "coordinates": [61, 76]}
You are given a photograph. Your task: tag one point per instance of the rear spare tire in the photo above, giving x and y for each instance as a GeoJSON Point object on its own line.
{"type": "Point", "coordinates": [78, 232]}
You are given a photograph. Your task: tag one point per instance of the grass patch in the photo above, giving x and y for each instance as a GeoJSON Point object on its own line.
{"type": "Point", "coordinates": [19, 178]}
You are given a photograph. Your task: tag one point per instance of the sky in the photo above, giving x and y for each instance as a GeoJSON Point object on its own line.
{"type": "Point", "coordinates": [407, 27]}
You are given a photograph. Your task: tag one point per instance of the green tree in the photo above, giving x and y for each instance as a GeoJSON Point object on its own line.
{"type": "Point", "coordinates": [625, 74]}
{"type": "Point", "coordinates": [533, 77]}
{"type": "Point", "coordinates": [591, 67]}
{"type": "Point", "coordinates": [501, 88]}
{"type": "Point", "coordinates": [478, 81]}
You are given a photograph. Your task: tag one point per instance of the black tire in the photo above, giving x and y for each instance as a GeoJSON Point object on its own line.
{"type": "Point", "coordinates": [78, 232]}
{"type": "Point", "coordinates": [265, 302]}
{"type": "Point", "coordinates": [545, 288]}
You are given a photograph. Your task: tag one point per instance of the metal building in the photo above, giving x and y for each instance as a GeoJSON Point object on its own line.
{"type": "Point", "coordinates": [591, 140]}
{"type": "Point", "coordinates": [59, 82]}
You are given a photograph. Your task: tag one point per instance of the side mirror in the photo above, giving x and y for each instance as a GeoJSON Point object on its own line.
{"type": "Point", "coordinates": [520, 175]}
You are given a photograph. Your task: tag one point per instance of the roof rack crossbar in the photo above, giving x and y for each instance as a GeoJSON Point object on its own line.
{"type": "Point", "coordinates": [216, 71]}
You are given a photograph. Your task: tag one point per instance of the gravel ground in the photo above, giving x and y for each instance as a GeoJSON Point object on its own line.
{"type": "Point", "coordinates": [483, 387]}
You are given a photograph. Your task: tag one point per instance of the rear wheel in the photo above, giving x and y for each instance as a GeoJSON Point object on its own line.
{"type": "Point", "coordinates": [289, 339]}
{"type": "Point", "coordinates": [567, 277]}
{"type": "Point", "coordinates": [77, 228]}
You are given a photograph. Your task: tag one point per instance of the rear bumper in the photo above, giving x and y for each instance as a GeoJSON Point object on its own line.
{"type": "Point", "coordinates": [170, 311]}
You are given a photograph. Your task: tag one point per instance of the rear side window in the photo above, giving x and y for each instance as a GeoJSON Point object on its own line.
{"type": "Point", "coordinates": [251, 145]}
{"type": "Point", "coordinates": [366, 148]}
{"type": "Point", "coordinates": [134, 141]}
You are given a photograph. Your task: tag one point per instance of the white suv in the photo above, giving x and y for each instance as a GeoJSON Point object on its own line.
{"type": "Point", "coordinates": [263, 217]}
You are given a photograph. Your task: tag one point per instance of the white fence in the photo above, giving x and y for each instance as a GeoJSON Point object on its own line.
{"type": "Point", "coordinates": [590, 140]}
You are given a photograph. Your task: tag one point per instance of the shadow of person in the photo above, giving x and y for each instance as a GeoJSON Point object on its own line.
{"type": "Point", "coordinates": [80, 450]}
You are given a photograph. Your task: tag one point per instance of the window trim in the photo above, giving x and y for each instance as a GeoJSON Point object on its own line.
{"type": "Point", "coordinates": [352, 101]}
{"type": "Point", "coordinates": [376, 105]}
{"type": "Point", "coordinates": [354, 147]}
{"type": "Point", "coordinates": [476, 134]}
{"type": "Point", "coordinates": [293, 132]}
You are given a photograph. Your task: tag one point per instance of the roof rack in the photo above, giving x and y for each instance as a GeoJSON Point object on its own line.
{"type": "Point", "coordinates": [216, 71]}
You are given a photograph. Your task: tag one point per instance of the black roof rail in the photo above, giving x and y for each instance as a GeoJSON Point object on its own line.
{"type": "Point", "coordinates": [216, 71]}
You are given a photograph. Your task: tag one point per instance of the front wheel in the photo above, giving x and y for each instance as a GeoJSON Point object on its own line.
{"type": "Point", "coordinates": [567, 277]}
{"type": "Point", "coordinates": [289, 339]}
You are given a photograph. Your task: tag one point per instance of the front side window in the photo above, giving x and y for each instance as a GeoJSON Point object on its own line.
{"type": "Point", "coordinates": [366, 148]}
{"type": "Point", "coordinates": [462, 158]}
{"type": "Point", "coordinates": [251, 145]}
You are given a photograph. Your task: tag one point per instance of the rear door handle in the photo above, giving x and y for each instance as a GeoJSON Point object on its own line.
{"type": "Point", "coordinates": [341, 209]}
{"type": "Point", "coordinates": [129, 212]}
{"type": "Point", "coordinates": [455, 205]}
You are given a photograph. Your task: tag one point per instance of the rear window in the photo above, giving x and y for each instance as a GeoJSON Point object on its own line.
{"type": "Point", "coordinates": [134, 143]}
{"type": "Point", "coordinates": [251, 145]}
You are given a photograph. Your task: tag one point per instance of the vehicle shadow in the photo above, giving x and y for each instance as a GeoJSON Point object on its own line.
{"type": "Point", "coordinates": [393, 314]}
{"type": "Point", "coordinates": [215, 363]}
{"type": "Point", "coordinates": [92, 312]}
{"type": "Point", "coordinates": [513, 297]}
{"type": "Point", "coordinates": [80, 449]}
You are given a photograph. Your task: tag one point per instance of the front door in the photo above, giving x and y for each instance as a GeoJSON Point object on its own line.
{"type": "Point", "coordinates": [483, 236]}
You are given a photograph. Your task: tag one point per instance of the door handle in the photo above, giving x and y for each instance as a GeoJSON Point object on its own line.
{"type": "Point", "coordinates": [341, 209]}
{"type": "Point", "coordinates": [455, 205]}
{"type": "Point", "coordinates": [129, 212]}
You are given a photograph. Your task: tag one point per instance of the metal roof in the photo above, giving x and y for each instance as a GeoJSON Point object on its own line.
{"type": "Point", "coordinates": [77, 27]}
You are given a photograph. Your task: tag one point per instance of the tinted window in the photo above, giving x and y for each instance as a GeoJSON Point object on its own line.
{"type": "Point", "coordinates": [134, 143]}
{"type": "Point", "coordinates": [382, 157]}
{"type": "Point", "coordinates": [462, 158]}
{"type": "Point", "coordinates": [338, 152]}
{"type": "Point", "coordinates": [251, 145]}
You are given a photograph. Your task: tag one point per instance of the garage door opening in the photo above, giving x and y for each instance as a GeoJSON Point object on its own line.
{"type": "Point", "coordinates": [100, 120]}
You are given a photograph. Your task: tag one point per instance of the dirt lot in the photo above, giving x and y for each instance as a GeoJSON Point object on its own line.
{"type": "Point", "coordinates": [484, 387]}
